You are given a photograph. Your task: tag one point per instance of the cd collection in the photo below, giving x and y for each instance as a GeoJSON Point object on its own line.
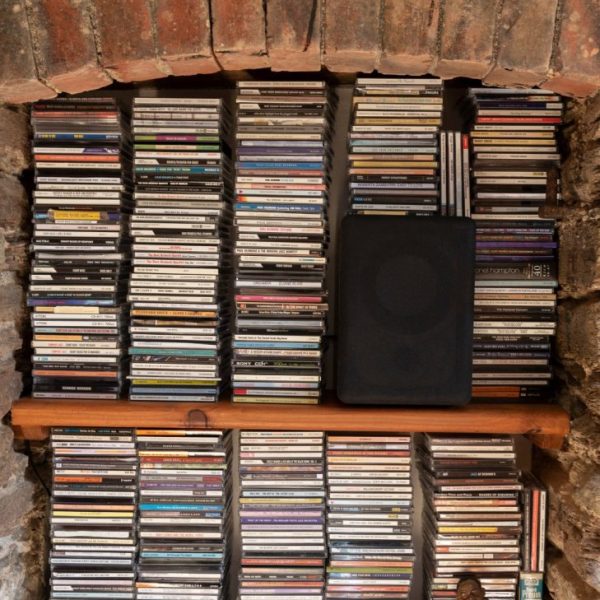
{"type": "Point", "coordinates": [320, 517]}
{"type": "Point", "coordinates": [184, 516]}
{"type": "Point", "coordinates": [369, 516]}
{"type": "Point", "coordinates": [282, 179]}
{"type": "Point", "coordinates": [93, 514]}
{"type": "Point", "coordinates": [282, 515]}
{"type": "Point", "coordinates": [472, 516]}
{"type": "Point", "coordinates": [79, 271]}
{"type": "Point", "coordinates": [149, 514]}
{"type": "Point", "coordinates": [394, 146]}
{"type": "Point", "coordinates": [181, 254]}
{"type": "Point", "coordinates": [515, 169]}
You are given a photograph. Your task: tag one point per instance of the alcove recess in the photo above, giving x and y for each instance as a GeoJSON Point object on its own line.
{"type": "Point", "coordinates": [71, 47]}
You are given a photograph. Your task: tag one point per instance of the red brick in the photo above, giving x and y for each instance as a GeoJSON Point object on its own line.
{"type": "Point", "coordinates": [525, 36]}
{"type": "Point", "coordinates": [18, 75]}
{"type": "Point", "coordinates": [352, 40]}
{"type": "Point", "coordinates": [467, 38]}
{"type": "Point", "coordinates": [183, 36]}
{"type": "Point", "coordinates": [239, 34]}
{"type": "Point", "coordinates": [294, 35]}
{"type": "Point", "coordinates": [126, 41]}
{"type": "Point", "coordinates": [409, 36]}
{"type": "Point", "coordinates": [64, 45]}
{"type": "Point", "coordinates": [576, 69]}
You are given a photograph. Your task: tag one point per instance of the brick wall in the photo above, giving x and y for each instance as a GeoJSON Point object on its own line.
{"type": "Point", "coordinates": [53, 46]}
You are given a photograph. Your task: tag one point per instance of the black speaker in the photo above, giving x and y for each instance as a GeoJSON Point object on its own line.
{"type": "Point", "coordinates": [405, 310]}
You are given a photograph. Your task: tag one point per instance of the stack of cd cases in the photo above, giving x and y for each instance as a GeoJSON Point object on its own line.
{"type": "Point", "coordinates": [181, 253]}
{"type": "Point", "coordinates": [369, 516]}
{"type": "Point", "coordinates": [515, 173]}
{"type": "Point", "coordinates": [81, 150]}
{"type": "Point", "coordinates": [282, 180]}
{"type": "Point", "coordinates": [93, 514]}
{"type": "Point", "coordinates": [472, 514]}
{"type": "Point", "coordinates": [394, 146]}
{"type": "Point", "coordinates": [184, 515]}
{"type": "Point", "coordinates": [282, 515]}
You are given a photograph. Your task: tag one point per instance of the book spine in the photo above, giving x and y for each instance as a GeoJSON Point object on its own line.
{"type": "Point", "coordinates": [443, 175]}
{"type": "Point", "coordinates": [458, 177]}
{"type": "Point", "coordinates": [535, 520]}
{"type": "Point", "coordinates": [526, 542]}
{"type": "Point", "coordinates": [542, 531]}
{"type": "Point", "coordinates": [466, 175]}
{"type": "Point", "coordinates": [451, 175]}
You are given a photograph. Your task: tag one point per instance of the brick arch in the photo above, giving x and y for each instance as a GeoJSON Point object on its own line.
{"type": "Point", "coordinates": [53, 46]}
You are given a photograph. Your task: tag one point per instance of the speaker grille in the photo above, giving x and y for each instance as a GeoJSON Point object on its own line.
{"type": "Point", "coordinates": [405, 318]}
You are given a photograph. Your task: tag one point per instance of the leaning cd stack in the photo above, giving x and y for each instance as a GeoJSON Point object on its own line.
{"type": "Point", "coordinates": [79, 268]}
{"type": "Point", "coordinates": [471, 516]}
{"type": "Point", "coordinates": [92, 514]}
{"type": "Point", "coordinates": [282, 515]}
{"type": "Point", "coordinates": [369, 517]}
{"type": "Point", "coordinates": [181, 254]}
{"type": "Point", "coordinates": [394, 146]}
{"type": "Point", "coordinates": [515, 159]}
{"type": "Point", "coordinates": [184, 514]}
{"type": "Point", "coordinates": [282, 177]}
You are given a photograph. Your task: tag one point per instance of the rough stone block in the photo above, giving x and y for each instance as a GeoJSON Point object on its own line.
{"type": "Point", "coordinates": [573, 522]}
{"type": "Point", "coordinates": [12, 385]}
{"type": "Point", "coordinates": [583, 442]}
{"type": "Point", "coordinates": [11, 296]}
{"type": "Point", "coordinates": [15, 153]}
{"type": "Point", "coordinates": [580, 173]}
{"type": "Point", "coordinates": [23, 554]}
{"type": "Point", "coordinates": [294, 35]}
{"type": "Point", "coordinates": [409, 37]}
{"type": "Point", "coordinates": [64, 45]}
{"type": "Point", "coordinates": [576, 69]}
{"type": "Point", "coordinates": [18, 75]}
{"type": "Point", "coordinates": [125, 37]}
{"type": "Point", "coordinates": [14, 206]}
{"type": "Point", "coordinates": [579, 256]}
{"type": "Point", "coordinates": [564, 583]}
{"type": "Point", "coordinates": [578, 339]}
{"type": "Point", "coordinates": [352, 40]}
{"type": "Point", "coordinates": [183, 36]}
{"type": "Point", "coordinates": [238, 32]}
{"type": "Point", "coordinates": [525, 35]}
{"type": "Point", "coordinates": [14, 506]}
{"type": "Point", "coordinates": [467, 38]}
{"type": "Point", "coordinates": [12, 464]}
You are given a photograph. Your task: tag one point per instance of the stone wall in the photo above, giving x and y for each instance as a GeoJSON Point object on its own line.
{"type": "Point", "coordinates": [22, 500]}
{"type": "Point", "coordinates": [573, 474]}
{"type": "Point", "coordinates": [51, 46]}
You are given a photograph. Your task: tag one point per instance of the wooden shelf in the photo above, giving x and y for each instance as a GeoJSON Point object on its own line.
{"type": "Point", "coordinates": [545, 424]}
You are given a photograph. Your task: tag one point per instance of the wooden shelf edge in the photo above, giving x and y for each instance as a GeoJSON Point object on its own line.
{"type": "Point", "coordinates": [545, 424]}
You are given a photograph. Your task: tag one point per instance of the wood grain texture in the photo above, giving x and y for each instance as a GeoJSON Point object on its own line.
{"type": "Point", "coordinates": [546, 424]}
